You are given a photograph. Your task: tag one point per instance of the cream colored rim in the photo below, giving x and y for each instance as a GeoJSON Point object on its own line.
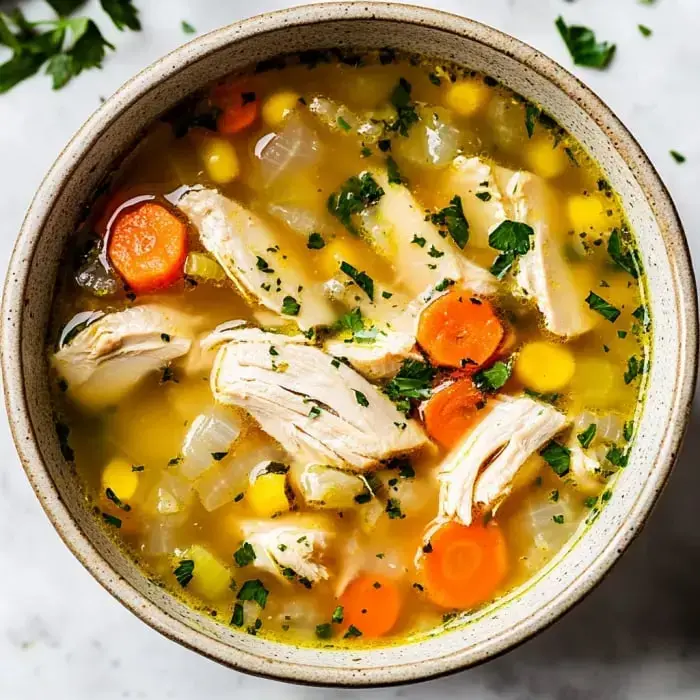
{"type": "Point", "coordinates": [75, 539]}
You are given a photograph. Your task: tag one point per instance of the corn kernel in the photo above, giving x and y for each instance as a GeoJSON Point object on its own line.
{"type": "Point", "coordinates": [267, 495]}
{"type": "Point", "coordinates": [545, 367]}
{"type": "Point", "coordinates": [220, 160]}
{"type": "Point", "coordinates": [278, 106]}
{"type": "Point", "coordinates": [467, 97]}
{"type": "Point", "coordinates": [544, 159]}
{"type": "Point", "coordinates": [120, 478]}
{"type": "Point", "coordinates": [588, 213]}
{"type": "Point", "coordinates": [210, 577]}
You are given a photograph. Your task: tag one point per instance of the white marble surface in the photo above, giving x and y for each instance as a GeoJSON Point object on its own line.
{"type": "Point", "coordinates": [637, 636]}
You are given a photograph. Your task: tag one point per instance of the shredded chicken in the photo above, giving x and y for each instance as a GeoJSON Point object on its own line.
{"type": "Point", "coordinates": [108, 358]}
{"type": "Point", "coordinates": [253, 255]}
{"type": "Point", "coordinates": [543, 272]}
{"type": "Point", "coordinates": [512, 429]}
{"type": "Point", "coordinates": [316, 407]}
{"type": "Point", "coordinates": [288, 549]}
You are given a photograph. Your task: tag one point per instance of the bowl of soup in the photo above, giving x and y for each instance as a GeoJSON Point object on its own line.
{"type": "Point", "coordinates": [354, 364]}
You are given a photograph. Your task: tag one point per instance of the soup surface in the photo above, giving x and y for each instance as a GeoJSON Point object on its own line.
{"type": "Point", "coordinates": [349, 347]}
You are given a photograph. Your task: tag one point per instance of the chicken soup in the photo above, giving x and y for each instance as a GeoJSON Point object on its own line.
{"type": "Point", "coordinates": [349, 347]}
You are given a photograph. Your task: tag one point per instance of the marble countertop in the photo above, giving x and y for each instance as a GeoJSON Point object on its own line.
{"type": "Point", "coordinates": [637, 636]}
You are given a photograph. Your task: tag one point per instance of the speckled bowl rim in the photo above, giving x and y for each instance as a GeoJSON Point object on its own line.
{"type": "Point", "coordinates": [30, 234]}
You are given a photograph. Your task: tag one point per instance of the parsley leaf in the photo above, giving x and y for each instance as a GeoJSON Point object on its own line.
{"type": "Point", "coordinates": [184, 572]}
{"type": "Point", "coordinates": [413, 381]}
{"type": "Point", "coordinates": [187, 28]}
{"type": "Point", "coordinates": [244, 555]}
{"type": "Point", "coordinates": [393, 509]}
{"type": "Point", "coordinates": [531, 114]}
{"type": "Point", "coordinates": [405, 109]}
{"type": "Point", "coordinates": [262, 265]}
{"type": "Point", "coordinates": [644, 30]}
{"type": "Point", "coordinates": [338, 615]}
{"type": "Point", "coordinates": [635, 368]}
{"type": "Point", "coordinates": [557, 456]}
{"type": "Point", "coordinates": [360, 398]}
{"type": "Point", "coordinates": [254, 590]}
{"type": "Point", "coordinates": [393, 172]}
{"type": "Point", "coordinates": [237, 617]}
{"type": "Point", "coordinates": [583, 46]}
{"type": "Point", "coordinates": [623, 255]}
{"type": "Point", "coordinates": [361, 279]}
{"type": "Point", "coordinates": [324, 630]}
{"type": "Point", "coordinates": [617, 457]}
{"type": "Point", "coordinates": [352, 632]}
{"type": "Point", "coordinates": [513, 239]}
{"type": "Point", "coordinates": [418, 240]}
{"type": "Point", "coordinates": [605, 309]}
{"type": "Point", "coordinates": [355, 195]}
{"type": "Point", "coordinates": [290, 306]}
{"type": "Point", "coordinates": [493, 378]}
{"type": "Point", "coordinates": [315, 241]}
{"type": "Point", "coordinates": [122, 13]}
{"type": "Point", "coordinates": [585, 438]}
{"type": "Point", "coordinates": [452, 218]}
{"type": "Point", "coordinates": [678, 157]}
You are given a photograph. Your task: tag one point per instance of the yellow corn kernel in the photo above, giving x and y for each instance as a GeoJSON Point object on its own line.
{"type": "Point", "coordinates": [267, 495]}
{"type": "Point", "coordinates": [588, 213]}
{"type": "Point", "coordinates": [210, 577]}
{"type": "Point", "coordinates": [467, 97]}
{"type": "Point", "coordinates": [544, 159]}
{"type": "Point", "coordinates": [545, 367]}
{"type": "Point", "coordinates": [278, 106]}
{"type": "Point", "coordinates": [120, 478]}
{"type": "Point", "coordinates": [220, 160]}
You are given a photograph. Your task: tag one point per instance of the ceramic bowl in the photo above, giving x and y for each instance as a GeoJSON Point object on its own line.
{"type": "Point", "coordinates": [108, 135]}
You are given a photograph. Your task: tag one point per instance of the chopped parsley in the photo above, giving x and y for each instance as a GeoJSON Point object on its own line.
{"type": "Point", "coordinates": [352, 632]}
{"type": "Point", "coordinates": [453, 220]}
{"type": "Point", "coordinates": [641, 313]}
{"type": "Point", "coordinates": [137, 468]}
{"type": "Point", "coordinates": [412, 381]}
{"type": "Point", "coordinates": [628, 430]}
{"type": "Point", "coordinates": [393, 172]}
{"type": "Point", "coordinates": [623, 254]}
{"type": "Point", "coordinates": [165, 337]}
{"type": "Point", "coordinates": [187, 28]}
{"type": "Point", "coordinates": [184, 572]}
{"type": "Point", "coordinates": [244, 555]}
{"type": "Point", "coordinates": [406, 114]}
{"type": "Point", "coordinates": [315, 412]}
{"type": "Point", "coordinates": [167, 375]}
{"type": "Point", "coordinates": [112, 520]}
{"type": "Point", "coordinates": [512, 238]}
{"type": "Point", "coordinates": [218, 456]}
{"type": "Point", "coordinates": [335, 362]}
{"type": "Point", "coordinates": [355, 195]}
{"type": "Point", "coordinates": [604, 308]}
{"type": "Point", "coordinates": [583, 46]}
{"type": "Point", "coordinates": [585, 437]}
{"type": "Point", "coordinates": [254, 590]}
{"type": "Point", "coordinates": [324, 630]}
{"type": "Point", "coordinates": [418, 240]}
{"type": "Point", "coordinates": [531, 114]}
{"type": "Point", "coordinates": [644, 30]}
{"type": "Point", "coordinates": [315, 241]}
{"type": "Point", "coordinates": [110, 495]}
{"type": "Point", "coordinates": [361, 279]}
{"type": "Point", "coordinates": [262, 265]}
{"type": "Point", "coordinates": [557, 456]}
{"type": "Point", "coordinates": [493, 378]}
{"type": "Point", "coordinates": [360, 398]}
{"type": "Point", "coordinates": [483, 196]}
{"type": "Point", "coordinates": [338, 615]}
{"type": "Point", "coordinates": [393, 509]}
{"type": "Point", "coordinates": [635, 368]}
{"type": "Point", "coordinates": [434, 252]}
{"type": "Point", "coordinates": [558, 519]}
{"type": "Point", "coordinates": [343, 124]}
{"type": "Point", "coordinates": [617, 456]}
{"type": "Point", "coordinates": [547, 398]}
{"type": "Point", "coordinates": [678, 157]}
{"type": "Point", "coordinates": [237, 617]}
{"type": "Point", "coordinates": [443, 284]}
{"type": "Point", "coordinates": [290, 306]}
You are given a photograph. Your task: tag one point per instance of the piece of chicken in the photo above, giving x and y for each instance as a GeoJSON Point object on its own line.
{"type": "Point", "coordinates": [477, 184]}
{"type": "Point", "coordinates": [380, 359]}
{"type": "Point", "coordinates": [317, 408]}
{"type": "Point", "coordinates": [544, 272]}
{"type": "Point", "coordinates": [288, 549]}
{"type": "Point", "coordinates": [326, 487]}
{"type": "Point", "coordinates": [108, 358]}
{"type": "Point", "coordinates": [394, 225]}
{"type": "Point", "coordinates": [254, 257]}
{"type": "Point", "coordinates": [512, 429]}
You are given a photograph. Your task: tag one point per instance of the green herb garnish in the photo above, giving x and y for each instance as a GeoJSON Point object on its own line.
{"type": "Point", "coordinates": [513, 239]}
{"type": "Point", "coordinates": [557, 456]}
{"type": "Point", "coordinates": [453, 220]}
{"type": "Point", "coordinates": [604, 308]}
{"type": "Point", "coordinates": [360, 398]}
{"type": "Point", "coordinates": [184, 572]}
{"type": "Point", "coordinates": [412, 381]}
{"type": "Point", "coordinates": [290, 306]}
{"type": "Point", "coordinates": [187, 28]}
{"type": "Point", "coordinates": [393, 173]}
{"type": "Point", "coordinates": [583, 46]}
{"type": "Point", "coordinates": [623, 254]}
{"type": "Point", "coordinates": [315, 241]}
{"type": "Point", "coordinates": [355, 195]}
{"type": "Point", "coordinates": [585, 438]}
{"type": "Point", "coordinates": [244, 555]}
{"type": "Point", "coordinates": [361, 279]}
{"type": "Point", "coordinates": [405, 109]}
{"type": "Point", "coordinates": [254, 590]}
{"type": "Point", "coordinates": [493, 378]}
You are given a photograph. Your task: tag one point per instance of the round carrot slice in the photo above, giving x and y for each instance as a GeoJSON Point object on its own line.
{"type": "Point", "coordinates": [457, 330]}
{"type": "Point", "coordinates": [451, 411]}
{"type": "Point", "coordinates": [465, 565]}
{"type": "Point", "coordinates": [371, 604]}
{"type": "Point", "coordinates": [147, 246]}
{"type": "Point", "coordinates": [239, 106]}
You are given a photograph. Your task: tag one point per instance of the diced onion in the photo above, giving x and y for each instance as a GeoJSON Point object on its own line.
{"type": "Point", "coordinates": [294, 148]}
{"type": "Point", "coordinates": [171, 496]}
{"type": "Point", "coordinates": [608, 427]}
{"type": "Point", "coordinates": [161, 536]}
{"type": "Point", "coordinates": [211, 433]}
{"type": "Point", "coordinates": [433, 141]}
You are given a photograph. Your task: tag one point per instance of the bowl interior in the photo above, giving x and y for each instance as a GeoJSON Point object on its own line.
{"type": "Point", "coordinates": [109, 134]}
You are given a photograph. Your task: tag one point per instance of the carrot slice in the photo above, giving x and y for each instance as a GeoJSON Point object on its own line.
{"type": "Point", "coordinates": [457, 330]}
{"type": "Point", "coordinates": [240, 107]}
{"type": "Point", "coordinates": [465, 565]}
{"type": "Point", "coordinates": [371, 604]}
{"type": "Point", "coordinates": [147, 246]}
{"type": "Point", "coordinates": [451, 411]}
